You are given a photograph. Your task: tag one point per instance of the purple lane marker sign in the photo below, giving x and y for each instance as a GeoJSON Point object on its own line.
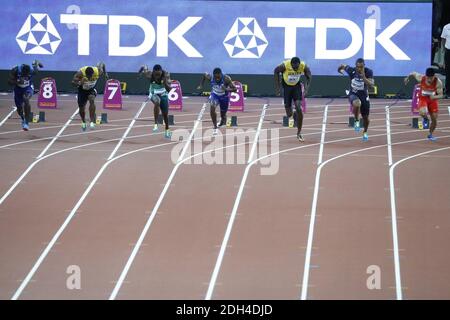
{"type": "Point", "coordinates": [47, 94]}
{"type": "Point", "coordinates": [415, 100]}
{"type": "Point", "coordinates": [112, 96]}
{"type": "Point", "coordinates": [236, 98]}
{"type": "Point", "coordinates": [175, 96]}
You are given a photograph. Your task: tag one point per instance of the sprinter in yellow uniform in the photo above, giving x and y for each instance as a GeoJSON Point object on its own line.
{"type": "Point", "coordinates": [86, 80]}
{"type": "Point", "coordinates": [292, 70]}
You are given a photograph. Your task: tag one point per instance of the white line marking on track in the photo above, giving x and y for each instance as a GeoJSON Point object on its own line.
{"type": "Point", "coordinates": [244, 178]}
{"type": "Point", "coordinates": [150, 147]}
{"type": "Point", "coordinates": [388, 134]}
{"type": "Point", "coordinates": [58, 134]}
{"type": "Point", "coordinates": [226, 237]}
{"type": "Point", "coordinates": [125, 134]}
{"type": "Point", "coordinates": [69, 217]}
{"type": "Point", "coordinates": [398, 283]}
{"type": "Point", "coordinates": [8, 116]}
{"type": "Point", "coordinates": [322, 138]}
{"type": "Point", "coordinates": [304, 292]}
{"type": "Point", "coordinates": [156, 207]}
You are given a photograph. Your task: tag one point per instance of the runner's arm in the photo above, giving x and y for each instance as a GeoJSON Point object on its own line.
{"type": "Point", "coordinates": [439, 91]}
{"type": "Point", "coordinates": [341, 68]}
{"type": "Point", "coordinates": [77, 79]}
{"type": "Point", "coordinates": [102, 70]}
{"type": "Point", "coordinates": [308, 77]}
{"type": "Point", "coordinates": [276, 74]}
{"type": "Point", "coordinates": [230, 87]}
{"type": "Point", "coordinates": [205, 76]}
{"type": "Point", "coordinates": [167, 81]}
{"type": "Point", "coordinates": [415, 75]}
{"type": "Point", "coordinates": [36, 65]}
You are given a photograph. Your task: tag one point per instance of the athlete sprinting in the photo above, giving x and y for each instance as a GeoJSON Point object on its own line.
{"type": "Point", "coordinates": [221, 84]}
{"type": "Point", "coordinates": [361, 79]}
{"type": "Point", "coordinates": [86, 80]}
{"type": "Point", "coordinates": [431, 89]}
{"type": "Point", "coordinates": [158, 94]}
{"type": "Point", "coordinates": [292, 91]}
{"type": "Point", "coordinates": [21, 78]}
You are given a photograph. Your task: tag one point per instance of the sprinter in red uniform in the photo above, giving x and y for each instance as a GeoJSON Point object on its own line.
{"type": "Point", "coordinates": [430, 91]}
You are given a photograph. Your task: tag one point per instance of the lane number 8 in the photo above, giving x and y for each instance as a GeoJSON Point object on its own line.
{"type": "Point", "coordinates": [48, 91]}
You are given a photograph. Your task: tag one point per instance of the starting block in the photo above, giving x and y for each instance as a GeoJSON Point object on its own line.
{"type": "Point", "coordinates": [232, 122]}
{"type": "Point", "coordinates": [123, 87]}
{"type": "Point", "coordinates": [103, 118]}
{"type": "Point", "coordinates": [351, 122]}
{"type": "Point", "coordinates": [35, 118]}
{"type": "Point", "coordinates": [171, 119]}
{"type": "Point", "coordinates": [420, 124]}
{"type": "Point", "coordinates": [286, 122]}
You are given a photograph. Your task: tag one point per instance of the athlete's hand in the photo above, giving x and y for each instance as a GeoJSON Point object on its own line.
{"type": "Point", "coordinates": [305, 91]}
{"type": "Point", "coordinates": [433, 96]}
{"type": "Point", "coordinates": [406, 80]}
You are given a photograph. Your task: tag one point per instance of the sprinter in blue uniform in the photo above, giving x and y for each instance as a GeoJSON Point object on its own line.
{"type": "Point", "coordinates": [21, 78]}
{"type": "Point", "coordinates": [221, 84]}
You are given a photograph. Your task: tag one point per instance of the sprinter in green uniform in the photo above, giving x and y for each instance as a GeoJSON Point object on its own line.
{"type": "Point", "coordinates": [158, 94]}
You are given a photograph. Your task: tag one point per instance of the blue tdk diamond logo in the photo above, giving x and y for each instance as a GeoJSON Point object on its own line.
{"type": "Point", "coordinates": [38, 35]}
{"type": "Point", "coordinates": [245, 39]}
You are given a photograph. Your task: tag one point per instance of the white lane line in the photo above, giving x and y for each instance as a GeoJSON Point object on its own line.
{"type": "Point", "coordinates": [104, 167]}
{"type": "Point", "coordinates": [190, 114]}
{"type": "Point", "coordinates": [301, 147]}
{"type": "Point", "coordinates": [8, 116]}
{"type": "Point", "coordinates": [58, 134]}
{"type": "Point", "coordinates": [258, 130]}
{"type": "Point", "coordinates": [25, 173]}
{"type": "Point", "coordinates": [226, 237]}
{"type": "Point", "coordinates": [398, 283]}
{"type": "Point", "coordinates": [304, 292]}
{"type": "Point", "coordinates": [236, 204]}
{"type": "Point", "coordinates": [388, 134]}
{"type": "Point", "coordinates": [313, 126]}
{"type": "Point", "coordinates": [156, 207]}
{"type": "Point", "coordinates": [322, 138]}
{"type": "Point", "coordinates": [125, 134]}
{"type": "Point", "coordinates": [67, 221]}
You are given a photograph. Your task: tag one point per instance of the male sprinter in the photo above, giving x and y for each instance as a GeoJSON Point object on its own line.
{"type": "Point", "coordinates": [292, 91]}
{"type": "Point", "coordinates": [361, 79]}
{"type": "Point", "coordinates": [221, 84]}
{"type": "Point", "coordinates": [431, 90]}
{"type": "Point", "coordinates": [21, 78]}
{"type": "Point", "coordinates": [86, 80]}
{"type": "Point", "coordinates": [158, 94]}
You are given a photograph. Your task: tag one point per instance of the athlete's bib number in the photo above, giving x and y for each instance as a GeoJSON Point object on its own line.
{"type": "Point", "coordinates": [292, 78]}
{"type": "Point", "coordinates": [357, 84]}
{"type": "Point", "coordinates": [89, 85]}
{"type": "Point", "coordinates": [25, 83]}
{"type": "Point", "coordinates": [47, 91]}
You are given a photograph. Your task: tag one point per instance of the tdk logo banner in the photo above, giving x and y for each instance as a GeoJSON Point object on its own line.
{"type": "Point", "coordinates": [240, 37]}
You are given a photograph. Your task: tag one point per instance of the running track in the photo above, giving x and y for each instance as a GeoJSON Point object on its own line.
{"type": "Point", "coordinates": [139, 226]}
